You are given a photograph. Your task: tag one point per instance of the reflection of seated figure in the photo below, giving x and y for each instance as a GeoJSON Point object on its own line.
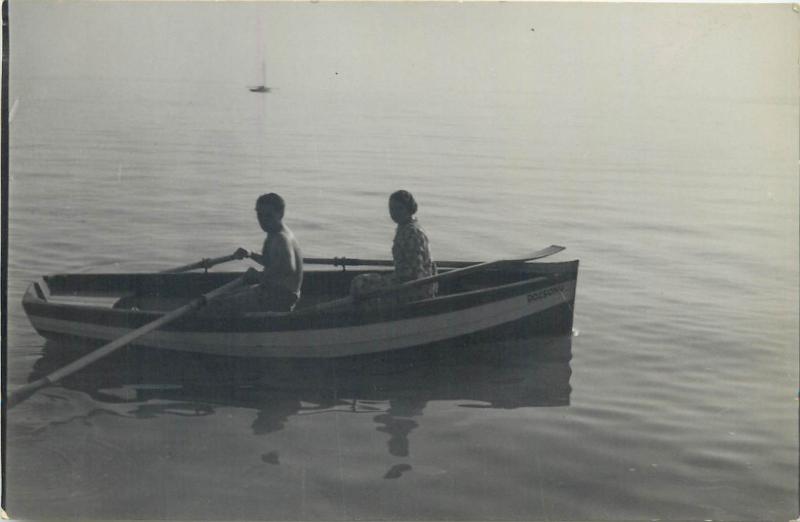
{"type": "Point", "coordinates": [399, 430]}
{"type": "Point", "coordinates": [397, 471]}
{"type": "Point", "coordinates": [396, 423]}
{"type": "Point", "coordinates": [274, 418]}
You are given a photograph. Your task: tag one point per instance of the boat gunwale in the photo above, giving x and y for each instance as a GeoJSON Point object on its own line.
{"type": "Point", "coordinates": [54, 286]}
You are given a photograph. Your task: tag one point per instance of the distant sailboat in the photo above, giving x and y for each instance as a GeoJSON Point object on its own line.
{"type": "Point", "coordinates": [263, 87]}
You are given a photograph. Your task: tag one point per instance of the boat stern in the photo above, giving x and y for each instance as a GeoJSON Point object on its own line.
{"type": "Point", "coordinates": [36, 295]}
{"type": "Point", "coordinates": [37, 292]}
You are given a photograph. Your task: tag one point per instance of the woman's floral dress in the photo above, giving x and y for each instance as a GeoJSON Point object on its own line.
{"type": "Point", "coordinates": [412, 260]}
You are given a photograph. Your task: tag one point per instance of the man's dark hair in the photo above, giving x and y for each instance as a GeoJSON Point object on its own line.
{"type": "Point", "coordinates": [271, 200]}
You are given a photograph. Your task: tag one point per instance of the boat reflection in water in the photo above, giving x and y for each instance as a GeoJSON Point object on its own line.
{"type": "Point", "coordinates": [394, 387]}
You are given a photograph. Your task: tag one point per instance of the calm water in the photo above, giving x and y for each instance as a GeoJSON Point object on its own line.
{"type": "Point", "coordinates": [675, 399]}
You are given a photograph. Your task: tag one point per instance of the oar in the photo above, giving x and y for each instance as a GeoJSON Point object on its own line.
{"type": "Point", "coordinates": [204, 263]}
{"type": "Point", "coordinates": [349, 261]}
{"type": "Point", "coordinates": [452, 274]}
{"type": "Point", "coordinates": [25, 391]}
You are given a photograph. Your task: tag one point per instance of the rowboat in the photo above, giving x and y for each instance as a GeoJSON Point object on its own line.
{"type": "Point", "coordinates": [510, 299]}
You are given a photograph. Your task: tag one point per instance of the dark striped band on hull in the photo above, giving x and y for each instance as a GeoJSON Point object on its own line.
{"type": "Point", "coordinates": [557, 320]}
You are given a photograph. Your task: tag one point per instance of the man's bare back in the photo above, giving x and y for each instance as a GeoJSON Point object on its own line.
{"type": "Point", "coordinates": [283, 260]}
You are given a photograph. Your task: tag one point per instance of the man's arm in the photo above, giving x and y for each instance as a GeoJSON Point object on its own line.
{"type": "Point", "coordinates": [255, 256]}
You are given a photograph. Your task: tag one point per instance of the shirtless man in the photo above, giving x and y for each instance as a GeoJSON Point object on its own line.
{"type": "Point", "coordinates": [277, 287]}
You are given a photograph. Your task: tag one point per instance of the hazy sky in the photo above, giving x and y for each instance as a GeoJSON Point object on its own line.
{"type": "Point", "coordinates": [722, 50]}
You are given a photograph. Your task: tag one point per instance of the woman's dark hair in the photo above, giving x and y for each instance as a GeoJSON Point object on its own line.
{"type": "Point", "coordinates": [405, 197]}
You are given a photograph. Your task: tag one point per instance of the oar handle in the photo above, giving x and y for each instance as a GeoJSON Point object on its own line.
{"type": "Point", "coordinates": [23, 392]}
{"type": "Point", "coordinates": [346, 261]}
{"type": "Point", "coordinates": [204, 263]}
{"type": "Point", "coordinates": [351, 261]}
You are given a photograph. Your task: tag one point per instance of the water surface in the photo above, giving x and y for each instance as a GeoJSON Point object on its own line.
{"type": "Point", "coordinates": [676, 398]}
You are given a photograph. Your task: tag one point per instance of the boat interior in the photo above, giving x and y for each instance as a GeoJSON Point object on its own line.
{"type": "Point", "coordinates": [160, 291]}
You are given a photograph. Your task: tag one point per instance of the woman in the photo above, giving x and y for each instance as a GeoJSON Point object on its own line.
{"type": "Point", "coordinates": [411, 254]}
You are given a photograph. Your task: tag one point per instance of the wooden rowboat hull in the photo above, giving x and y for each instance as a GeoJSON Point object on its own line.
{"type": "Point", "coordinates": [520, 300]}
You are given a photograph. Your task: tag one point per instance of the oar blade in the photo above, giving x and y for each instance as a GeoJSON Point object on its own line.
{"type": "Point", "coordinates": [22, 393]}
{"type": "Point", "coordinates": [545, 252]}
